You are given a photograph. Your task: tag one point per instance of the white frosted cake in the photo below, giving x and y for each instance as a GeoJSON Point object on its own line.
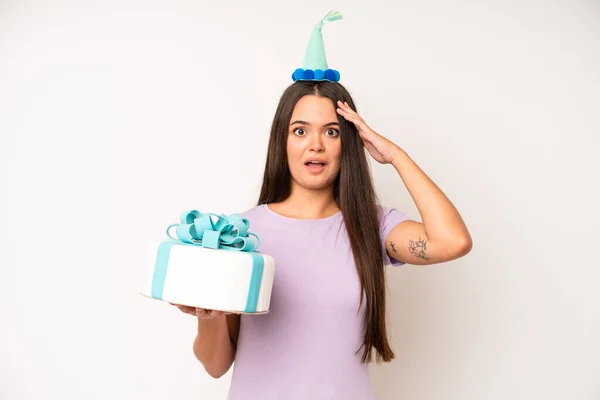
{"type": "Point", "coordinates": [212, 278]}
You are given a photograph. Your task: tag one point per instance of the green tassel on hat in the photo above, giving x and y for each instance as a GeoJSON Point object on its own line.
{"type": "Point", "coordinates": [315, 66]}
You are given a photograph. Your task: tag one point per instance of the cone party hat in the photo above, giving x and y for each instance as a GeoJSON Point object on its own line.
{"type": "Point", "coordinates": [315, 66]}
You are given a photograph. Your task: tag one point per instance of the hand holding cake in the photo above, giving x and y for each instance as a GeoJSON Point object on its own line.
{"type": "Point", "coordinates": [202, 313]}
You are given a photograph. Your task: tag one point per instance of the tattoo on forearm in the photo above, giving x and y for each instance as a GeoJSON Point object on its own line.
{"type": "Point", "coordinates": [393, 248]}
{"type": "Point", "coordinates": [418, 248]}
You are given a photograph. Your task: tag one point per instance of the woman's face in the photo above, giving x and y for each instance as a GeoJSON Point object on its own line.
{"type": "Point", "coordinates": [314, 146]}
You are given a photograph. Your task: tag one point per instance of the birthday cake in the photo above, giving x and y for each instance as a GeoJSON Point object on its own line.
{"type": "Point", "coordinates": [213, 262]}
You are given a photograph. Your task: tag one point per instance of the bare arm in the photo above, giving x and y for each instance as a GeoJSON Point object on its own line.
{"type": "Point", "coordinates": [442, 236]}
{"type": "Point", "coordinates": [216, 341]}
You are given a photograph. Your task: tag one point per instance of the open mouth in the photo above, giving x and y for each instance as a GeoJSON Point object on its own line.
{"type": "Point", "coordinates": [315, 165]}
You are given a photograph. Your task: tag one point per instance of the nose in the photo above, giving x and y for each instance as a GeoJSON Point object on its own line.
{"type": "Point", "coordinates": [316, 143]}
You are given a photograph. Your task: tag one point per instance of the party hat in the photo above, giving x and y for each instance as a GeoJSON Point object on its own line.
{"type": "Point", "coordinates": [315, 66]}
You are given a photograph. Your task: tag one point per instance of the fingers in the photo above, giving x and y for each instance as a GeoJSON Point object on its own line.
{"type": "Point", "coordinates": [345, 107]}
{"type": "Point", "coordinates": [209, 314]}
{"type": "Point", "coordinates": [185, 309]}
{"type": "Point", "coordinates": [345, 111]}
{"type": "Point", "coordinates": [203, 313]}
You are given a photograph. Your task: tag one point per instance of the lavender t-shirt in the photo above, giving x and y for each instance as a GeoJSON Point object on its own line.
{"type": "Point", "coordinates": [304, 347]}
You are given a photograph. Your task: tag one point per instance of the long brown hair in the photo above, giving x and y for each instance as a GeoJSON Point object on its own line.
{"type": "Point", "coordinates": [355, 196]}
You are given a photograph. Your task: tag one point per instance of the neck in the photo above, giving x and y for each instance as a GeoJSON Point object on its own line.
{"type": "Point", "coordinates": [309, 203]}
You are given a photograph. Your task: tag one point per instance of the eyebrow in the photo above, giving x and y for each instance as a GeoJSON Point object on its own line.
{"type": "Point", "coordinates": [308, 123]}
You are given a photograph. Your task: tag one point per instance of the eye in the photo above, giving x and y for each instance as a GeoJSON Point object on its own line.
{"type": "Point", "coordinates": [332, 132]}
{"type": "Point", "coordinates": [299, 132]}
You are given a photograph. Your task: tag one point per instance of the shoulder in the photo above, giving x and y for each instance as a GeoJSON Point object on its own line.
{"type": "Point", "coordinates": [389, 217]}
{"type": "Point", "coordinates": [253, 211]}
{"type": "Point", "coordinates": [384, 212]}
{"type": "Point", "coordinates": [257, 215]}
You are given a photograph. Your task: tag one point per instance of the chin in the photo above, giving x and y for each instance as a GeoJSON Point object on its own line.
{"type": "Point", "coordinates": [315, 184]}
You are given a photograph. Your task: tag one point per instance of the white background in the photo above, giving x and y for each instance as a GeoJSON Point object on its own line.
{"type": "Point", "coordinates": [115, 116]}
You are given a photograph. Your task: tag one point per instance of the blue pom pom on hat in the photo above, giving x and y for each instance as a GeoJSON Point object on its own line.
{"type": "Point", "coordinates": [315, 66]}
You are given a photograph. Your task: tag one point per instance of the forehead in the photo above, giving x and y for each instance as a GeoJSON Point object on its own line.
{"type": "Point", "coordinates": [315, 109]}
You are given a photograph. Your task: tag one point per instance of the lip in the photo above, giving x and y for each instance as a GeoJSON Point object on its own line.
{"type": "Point", "coordinates": [315, 159]}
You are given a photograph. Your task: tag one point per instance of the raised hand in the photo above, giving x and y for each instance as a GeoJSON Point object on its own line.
{"type": "Point", "coordinates": [380, 148]}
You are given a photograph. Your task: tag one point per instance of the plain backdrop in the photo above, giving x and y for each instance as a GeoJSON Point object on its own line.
{"type": "Point", "coordinates": [115, 116]}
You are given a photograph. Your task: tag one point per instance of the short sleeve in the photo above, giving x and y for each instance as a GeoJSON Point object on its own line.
{"type": "Point", "coordinates": [388, 219]}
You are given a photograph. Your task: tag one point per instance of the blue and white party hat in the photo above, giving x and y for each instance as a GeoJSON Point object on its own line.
{"type": "Point", "coordinates": [315, 66]}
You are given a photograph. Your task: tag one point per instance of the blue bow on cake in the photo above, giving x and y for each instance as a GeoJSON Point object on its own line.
{"type": "Point", "coordinates": [227, 232]}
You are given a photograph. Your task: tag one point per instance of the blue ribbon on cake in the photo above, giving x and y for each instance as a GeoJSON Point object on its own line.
{"type": "Point", "coordinates": [227, 232]}
{"type": "Point", "coordinates": [212, 231]}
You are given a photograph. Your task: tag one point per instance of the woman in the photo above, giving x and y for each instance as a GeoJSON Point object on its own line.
{"type": "Point", "coordinates": [317, 215]}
